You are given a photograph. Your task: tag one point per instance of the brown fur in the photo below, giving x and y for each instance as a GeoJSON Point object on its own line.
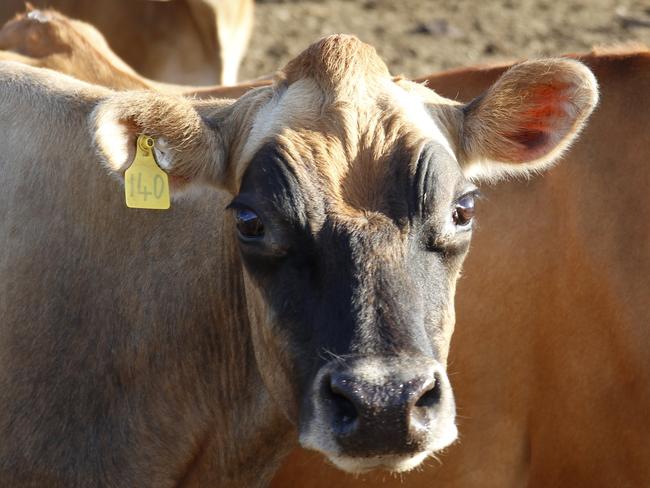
{"type": "Point", "coordinates": [335, 63]}
{"type": "Point", "coordinates": [507, 467]}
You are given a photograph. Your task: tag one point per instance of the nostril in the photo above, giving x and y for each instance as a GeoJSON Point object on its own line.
{"type": "Point", "coordinates": [431, 396]}
{"type": "Point", "coordinates": [344, 411]}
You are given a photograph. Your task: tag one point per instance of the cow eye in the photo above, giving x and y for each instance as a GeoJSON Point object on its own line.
{"type": "Point", "coordinates": [464, 211]}
{"type": "Point", "coordinates": [249, 224]}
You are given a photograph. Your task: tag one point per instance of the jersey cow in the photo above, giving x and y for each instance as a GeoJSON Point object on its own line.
{"type": "Point", "coordinates": [302, 289]}
{"type": "Point", "coordinates": [182, 41]}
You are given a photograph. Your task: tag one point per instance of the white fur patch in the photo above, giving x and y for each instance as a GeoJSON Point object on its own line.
{"type": "Point", "coordinates": [112, 139]}
{"type": "Point", "coordinates": [164, 154]}
{"type": "Point", "coordinates": [415, 111]}
{"type": "Point", "coordinates": [397, 464]}
{"type": "Point", "coordinates": [299, 100]}
{"type": "Point", "coordinates": [38, 16]}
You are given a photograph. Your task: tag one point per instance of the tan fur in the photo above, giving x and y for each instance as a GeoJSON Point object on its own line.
{"type": "Point", "coordinates": [134, 337]}
{"type": "Point", "coordinates": [549, 356]}
{"type": "Point", "coordinates": [69, 46]}
{"type": "Point", "coordinates": [335, 62]}
{"type": "Point", "coordinates": [191, 41]}
{"type": "Point", "coordinates": [78, 49]}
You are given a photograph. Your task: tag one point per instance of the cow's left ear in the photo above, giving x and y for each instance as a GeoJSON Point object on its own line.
{"type": "Point", "coordinates": [189, 143]}
{"type": "Point", "coordinates": [526, 119]}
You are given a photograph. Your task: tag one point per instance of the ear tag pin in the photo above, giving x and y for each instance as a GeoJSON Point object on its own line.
{"type": "Point", "coordinates": [145, 184]}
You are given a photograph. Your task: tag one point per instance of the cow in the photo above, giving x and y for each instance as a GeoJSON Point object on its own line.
{"type": "Point", "coordinates": [197, 42]}
{"type": "Point", "coordinates": [550, 355]}
{"type": "Point", "coordinates": [300, 290]}
{"type": "Point", "coordinates": [49, 39]}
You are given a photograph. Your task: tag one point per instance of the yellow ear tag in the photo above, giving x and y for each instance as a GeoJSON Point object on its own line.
{"type": "Point", "coordinates": [145, 184]}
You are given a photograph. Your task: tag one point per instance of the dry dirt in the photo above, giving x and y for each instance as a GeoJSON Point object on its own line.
{"type": "Point", "coordinates": [416, 37]}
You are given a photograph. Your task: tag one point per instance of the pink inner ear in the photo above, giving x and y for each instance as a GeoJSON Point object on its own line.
{"type": "Point", "coordinates": [542, 121]}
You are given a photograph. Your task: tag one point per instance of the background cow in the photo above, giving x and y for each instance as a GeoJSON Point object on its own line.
{"type": "Point", "coordinates": [183, 41]}
{"type": "Point", "coordinates": [49, 39]}
{"type": "Point", "coordinates": [160, 349]}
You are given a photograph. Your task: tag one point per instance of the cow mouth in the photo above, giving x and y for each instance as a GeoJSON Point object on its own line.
{"type": "Point", "coordinates": [396, 463]}
{"type": "Point", "coordinates": [392, 463]}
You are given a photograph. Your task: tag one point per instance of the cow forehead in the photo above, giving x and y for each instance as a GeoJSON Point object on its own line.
{"type": "Point", "coordinates": [356, 148]}
{"type": "Point", "coordinates": [339, 89]}
{"type": "Point", "coordinates": [365, 127]}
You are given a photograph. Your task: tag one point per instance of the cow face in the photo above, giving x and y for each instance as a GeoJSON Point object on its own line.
{"type": "Point", "coordinates": [353, 203]}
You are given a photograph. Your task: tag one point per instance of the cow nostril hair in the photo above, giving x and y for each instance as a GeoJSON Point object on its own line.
{"type": "Point", "coordinates": [431, 396]}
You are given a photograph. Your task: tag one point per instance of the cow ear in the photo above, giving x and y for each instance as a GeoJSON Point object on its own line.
{"type": "Point", "coordinates": [527, 119]}
{"type": "Point", "coordinates": [189, 147]}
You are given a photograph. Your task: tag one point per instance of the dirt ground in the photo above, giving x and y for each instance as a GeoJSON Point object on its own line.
{"type": "Point", "coordinates": [416, 37]}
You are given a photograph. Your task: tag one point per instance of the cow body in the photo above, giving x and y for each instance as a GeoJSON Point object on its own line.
{"type": "Point", "coordinates": [553, 382]}
{"type": "Point", "coordinates": [198, 42]}
{"type": "Point", "coordinates": [133, 345]}
{"type": "Point", "coordinates": [197, 346]}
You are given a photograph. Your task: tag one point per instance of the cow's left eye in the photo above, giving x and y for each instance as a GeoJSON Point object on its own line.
{"type": "Point", "coordinates": [249, 224]}
{"type": "Point", "coordinates": [464, 211]}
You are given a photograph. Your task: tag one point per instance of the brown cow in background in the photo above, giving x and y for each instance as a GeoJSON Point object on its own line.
{"type": "Point", "coordinates": [197, 42]}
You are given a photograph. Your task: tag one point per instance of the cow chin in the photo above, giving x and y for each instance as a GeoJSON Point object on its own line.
{"type": "Point", "coordinates": [396, 463]}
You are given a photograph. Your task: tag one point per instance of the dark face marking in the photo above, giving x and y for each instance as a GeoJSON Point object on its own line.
{"type": "Point", "coordinates": [359, 283]}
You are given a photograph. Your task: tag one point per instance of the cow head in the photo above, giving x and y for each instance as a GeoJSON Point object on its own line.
{"type": "Point", "coordinates": [353, 203]}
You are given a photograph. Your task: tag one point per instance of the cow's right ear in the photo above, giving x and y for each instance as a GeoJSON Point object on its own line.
{"type": "Point", "coordinates": [189, 147]}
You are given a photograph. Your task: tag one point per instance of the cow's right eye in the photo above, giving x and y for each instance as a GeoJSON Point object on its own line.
{"type": "Point", "coordinates": [249, 224]}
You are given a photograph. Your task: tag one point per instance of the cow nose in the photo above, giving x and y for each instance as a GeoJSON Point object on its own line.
{"type": "Point", "coordinates": [393, 414]}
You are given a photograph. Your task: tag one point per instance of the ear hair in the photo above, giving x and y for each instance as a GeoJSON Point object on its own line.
{"type": "Point", "coordinates": [194, 149]}
{"type": "Point", "coordinates": [527, 119]}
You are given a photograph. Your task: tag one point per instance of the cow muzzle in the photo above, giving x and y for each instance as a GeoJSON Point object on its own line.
{"type": "Point", "coordinates": [368, 413]}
